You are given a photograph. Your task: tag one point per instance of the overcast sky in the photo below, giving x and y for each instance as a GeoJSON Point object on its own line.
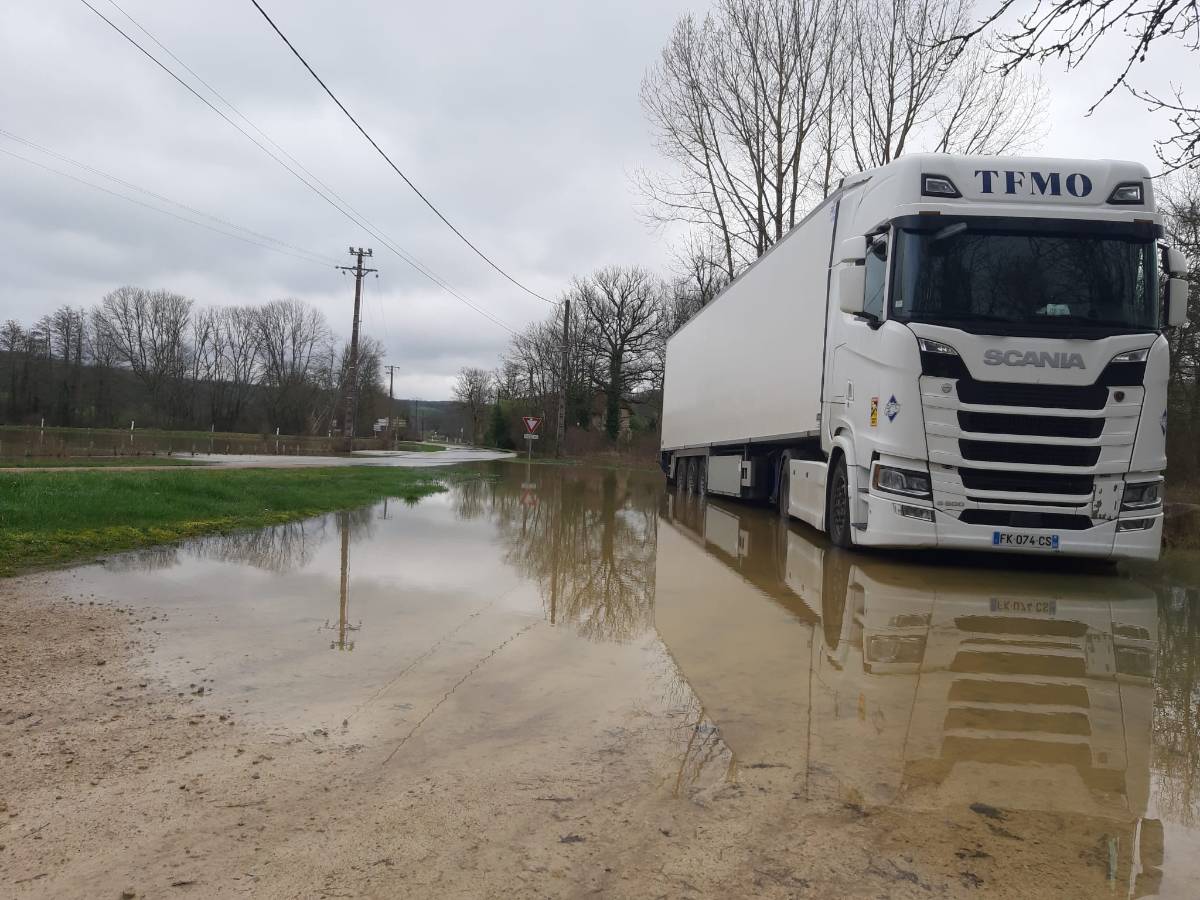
{"type": "Point", "coordinates": [519, 119]}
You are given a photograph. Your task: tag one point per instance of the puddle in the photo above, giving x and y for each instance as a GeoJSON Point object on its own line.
{"type": "Point", "coordinates": [1038, 707]}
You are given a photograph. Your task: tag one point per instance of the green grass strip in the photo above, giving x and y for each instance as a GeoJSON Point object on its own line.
{"type": "Point", "coordinates": [93, 462]}
{"type": "Point", "coordinates": [51, 518]}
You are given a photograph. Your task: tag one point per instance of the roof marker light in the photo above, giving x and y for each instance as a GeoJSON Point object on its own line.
{"type": "Point", "coordinates": [938, 186]}
{"type": "Point", "coordinates": [1127, 193]}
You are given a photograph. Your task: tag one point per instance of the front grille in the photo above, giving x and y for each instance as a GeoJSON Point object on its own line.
{"type": "Point", "coordinates": [971, 691]}
{"type": "Point", "coordinates": [1004, 518]}
{"type": "Point", "coordinates": [1025, 501]}
{"type": "Point", "coordinates": [1043, 454]}
{"type": "Point", "coordinates": [1041, 396]}
{"type": "Point", "coordinates": [1032, 482]}
{"type": "Point", "coordinates": [1041, 426]}
{"type": "Point", "coordinates": [975, 662]}
{"type": "Point", "coordinates": [1019, 625]}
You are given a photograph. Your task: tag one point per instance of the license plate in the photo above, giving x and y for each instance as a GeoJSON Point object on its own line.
{"type": "Point", "coordinates": [1024, 607]}
{"type": "Point", "coordinates": [1025, 540]}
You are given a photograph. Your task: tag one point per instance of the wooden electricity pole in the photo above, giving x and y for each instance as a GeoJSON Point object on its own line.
{"type": "Point", "coordinates": [351, 393]}
{"type": "Point", "coordinates": [391, 370]}
{"type": "Point", "coordinates": [560, 427]}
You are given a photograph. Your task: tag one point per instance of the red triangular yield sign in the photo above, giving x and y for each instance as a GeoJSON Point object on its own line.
{"type": "Point", "coordinates": [531, 423]}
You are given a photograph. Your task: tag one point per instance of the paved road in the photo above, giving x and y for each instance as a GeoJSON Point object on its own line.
{"type": "Point", "coordinates": [404, 458]}
{"type": "Point", "coordinates": [401, 458]}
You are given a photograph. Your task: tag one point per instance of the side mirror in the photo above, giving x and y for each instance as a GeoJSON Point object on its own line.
{"type": "Point", "coordinates": [1177, 299]}
{"type": "Point", "coordinates": [852, 249]}
{"type": "Point", "coordinates": [1177, 262]}
{"type": "Point", "coordinates": [852, 285]}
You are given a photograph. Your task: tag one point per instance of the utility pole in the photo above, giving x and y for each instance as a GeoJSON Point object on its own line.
{"type": "Point", "coordinates": [352, 367]}
{"type": "Point", "coordinates": [391, 370]}
{"type": "Point", "coordinates": [560, 427]}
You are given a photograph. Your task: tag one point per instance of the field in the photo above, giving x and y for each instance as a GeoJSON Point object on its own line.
{"type": "Point", "coordinates": [50, 518]}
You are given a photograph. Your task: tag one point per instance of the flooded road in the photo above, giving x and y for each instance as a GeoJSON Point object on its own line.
{"type": "Point", "coordinates": [562, 682]}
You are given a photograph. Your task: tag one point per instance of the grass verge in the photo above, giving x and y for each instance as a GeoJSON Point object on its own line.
{"type": "Point", "coordinates": [93, 462]}
{"type": "Point", "coordinates": [418, 447]}
{"type": "Point", "coordinates": [51, 518]}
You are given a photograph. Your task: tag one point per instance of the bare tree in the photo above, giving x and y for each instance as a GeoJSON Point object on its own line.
{"type": "Point", "coordinates": [765, 104]}
{"type": "Point", "coordinates": [472, 389]}
{"type": "Point", "coordinates": [293, 340]}
{"type": "Point", "coordinates": [621, 310]}
{"type": "Point", "coordinates": [12, 341]}
{"type": "Point", "coordinates": [1070, 30]}
{"type": "Point", "coordinates": [735, 102]}
{"type": "Point", "coordinates": [1180, 199]}
{"type": "Point", "coordinates": [147, 331]}
{"type": "Point", "coordinates": [236, 358]}
{"type": "Point", "coordinates": [910, 90]}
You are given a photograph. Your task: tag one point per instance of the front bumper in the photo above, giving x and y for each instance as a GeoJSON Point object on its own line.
{"type": "Point", "coordinates": [886, 527]}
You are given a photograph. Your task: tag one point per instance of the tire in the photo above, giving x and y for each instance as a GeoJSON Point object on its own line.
{"type": "Point", "coordinates": [837, 513]}
{"type": "Point", "coordinates": [785, 487]}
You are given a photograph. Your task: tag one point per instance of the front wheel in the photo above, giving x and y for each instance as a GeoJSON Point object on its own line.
{"type": "Point", "coordinates": [837, 518]}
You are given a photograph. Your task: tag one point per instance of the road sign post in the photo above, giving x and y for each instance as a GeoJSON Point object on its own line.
{"type": "Point", "coordinates": [532, 423]}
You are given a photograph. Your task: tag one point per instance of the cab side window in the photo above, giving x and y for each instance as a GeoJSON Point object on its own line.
{"type": "Point", "coordinates": [876, 276]}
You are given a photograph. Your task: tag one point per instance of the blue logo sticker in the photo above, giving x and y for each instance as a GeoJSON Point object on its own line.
{"type": "Point", "coordinates": [995, 538]}
{"type": "Point", "coordinates": [892, 409]}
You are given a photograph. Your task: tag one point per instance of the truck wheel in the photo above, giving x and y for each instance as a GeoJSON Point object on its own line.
{"type": "Point", "coordinates": [785, 487]}
{"type": "Point", "coordinates": [837, 515]}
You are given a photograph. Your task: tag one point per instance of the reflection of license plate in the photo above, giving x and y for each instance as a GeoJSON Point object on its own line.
{"type": "Point", "coordinates": [1024, 607]}
{"type": "Point", "coordinates": [1024, 540]}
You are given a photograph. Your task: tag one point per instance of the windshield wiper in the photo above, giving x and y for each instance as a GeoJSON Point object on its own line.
{"type": "Point", "coordinates": [1088, 320]}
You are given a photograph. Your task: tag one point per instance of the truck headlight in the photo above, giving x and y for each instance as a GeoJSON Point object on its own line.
{"type": "Point", "coordinates": [1144, 495]}
{"type": "Point", "coordinates": [895, 649]}
{"type": "Point", "coordinates": [902, 481]}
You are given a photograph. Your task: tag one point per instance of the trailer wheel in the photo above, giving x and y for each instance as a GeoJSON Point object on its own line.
{"type": "Point", "coordinates": [837, 517]}
{"type": "Point", "coordinates": [785, 486]}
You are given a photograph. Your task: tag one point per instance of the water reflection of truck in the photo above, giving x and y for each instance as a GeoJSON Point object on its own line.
{"type": "Point", "coordinates": [892, 684]}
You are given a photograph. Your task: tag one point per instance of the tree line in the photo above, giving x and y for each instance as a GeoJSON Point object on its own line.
{"type": "Point", "coordinates": [759, 108]}
{"type": "Point", "coordinates": [162, 360]}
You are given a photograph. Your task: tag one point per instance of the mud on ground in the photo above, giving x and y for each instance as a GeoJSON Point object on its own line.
{"type": "Point", "coordinates": [116, 785]}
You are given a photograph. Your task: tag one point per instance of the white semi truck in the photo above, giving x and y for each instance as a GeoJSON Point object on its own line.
{"type": "Point", "coordinates": [949, 351]}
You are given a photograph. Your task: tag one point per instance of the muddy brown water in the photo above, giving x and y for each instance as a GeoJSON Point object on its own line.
{"type": "Point", "coordinates": [961, 725]}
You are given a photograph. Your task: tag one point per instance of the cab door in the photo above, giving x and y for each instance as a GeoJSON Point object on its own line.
{"type": "Point", "coordinates": [854, 386]}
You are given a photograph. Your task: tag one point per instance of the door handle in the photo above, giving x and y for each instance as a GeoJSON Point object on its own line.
{"type": "Point", "coordinates": [849, 391]}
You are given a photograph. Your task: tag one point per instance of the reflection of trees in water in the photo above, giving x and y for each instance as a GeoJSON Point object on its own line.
{"type": "Point", "coordinates": [151, 559]}
{"type": "Point", "coordinates": [587, 538]}
{"type": "Point", "coordinates": [276, 548]}
{"type": "Point", "coordinates": [1177, 705]}
{"type": "Point", "coordinates": [286, 547]}
{"type": "Point", "coordinates": [696, 738]}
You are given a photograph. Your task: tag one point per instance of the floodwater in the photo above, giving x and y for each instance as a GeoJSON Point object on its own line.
{"type": "Point", "coordinates": [1053, 715]}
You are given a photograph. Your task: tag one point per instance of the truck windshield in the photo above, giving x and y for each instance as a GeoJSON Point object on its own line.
{"type": "Point", "coordinates": [1004, 276]}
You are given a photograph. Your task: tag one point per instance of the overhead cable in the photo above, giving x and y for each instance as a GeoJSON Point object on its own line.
{"type": "Point", "coordinates": [388, 160]}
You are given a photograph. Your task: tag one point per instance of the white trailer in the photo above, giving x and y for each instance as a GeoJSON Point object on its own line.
{"type": "Point", "coordinates": [948, 351]}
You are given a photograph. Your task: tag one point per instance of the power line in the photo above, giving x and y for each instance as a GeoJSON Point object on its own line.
{"type": "Point", "coordinates": [388, 159]}
{"type": "Point", "coordinates": [165, 212]}
{"type": "Point", "coordinates": [316, 257]}
{"type": "Point", "coordinates": [212, 90]}
{"type": "Point", "coordinates": [351, 215]}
